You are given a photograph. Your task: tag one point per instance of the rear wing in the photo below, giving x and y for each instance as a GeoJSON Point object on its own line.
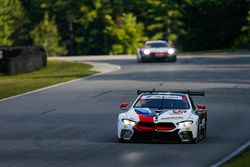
{"type": "Point", "coordinates": [189, 92]}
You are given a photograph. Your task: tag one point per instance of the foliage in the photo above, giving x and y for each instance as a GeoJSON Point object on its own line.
{"type": "Point", "coordinates": [46, 34]}
{"type": "Point", "coordinates": [127, 33]}
{"type": "Point", "coordinates": [244, 39]}
{"type": "Point", "coordinates": [84, 26]}
{"type": "Point", "coordinates": [163, 19]}
{"type": "Point", "coordinates": [11, 14]}
{"type": "Point", "coordinates": [213, 24]}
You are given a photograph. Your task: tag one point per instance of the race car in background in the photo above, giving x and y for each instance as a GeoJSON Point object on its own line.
{"type": "Point", "coordinates": [169, 116]}
{"type": "Point", "coordinates": [156, 50]}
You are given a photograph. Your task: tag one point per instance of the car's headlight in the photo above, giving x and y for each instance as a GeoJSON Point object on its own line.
{"type": "Point", "coordinates": [146, 52]}
{"type": "Point", "coordinates": [171, 51]}
{"type": "Point", "coordinates": [128, 122]}
{"type": "Point", "coordinates": [184, 124]}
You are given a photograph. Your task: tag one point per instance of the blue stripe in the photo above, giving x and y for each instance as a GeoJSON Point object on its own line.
{"type": "Point", "coordinates": [145, 111]}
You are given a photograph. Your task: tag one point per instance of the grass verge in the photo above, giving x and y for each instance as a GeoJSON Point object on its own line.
{"type": "Point", "coordinates": [241, 160]}
{"type": "Point", "coordinates": [56, 72]}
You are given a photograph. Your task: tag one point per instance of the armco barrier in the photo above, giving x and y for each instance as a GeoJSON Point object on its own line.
{"type": "Point", "coordinates": [16, 60]}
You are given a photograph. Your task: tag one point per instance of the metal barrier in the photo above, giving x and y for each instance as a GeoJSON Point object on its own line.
{"type": "Point", "coordinates": [22, 59]}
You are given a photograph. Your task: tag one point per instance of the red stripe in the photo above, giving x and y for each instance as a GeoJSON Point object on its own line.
{"type": "Point", "coordinates": [143, 128]}
{"type": "Point", "coordinates": [150, 127]}
{"type": "Point", "coordinates": [144, 118]}
{"type": "Point", "coordinates": [147, 119]}
{"type": "Point", "coordinates": [140, 97]}
{"type": "Point", "coordinates": [159, 52]}
{"type": "Point", "coordinates": [165, 128]}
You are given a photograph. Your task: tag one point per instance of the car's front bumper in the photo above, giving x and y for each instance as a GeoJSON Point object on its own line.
{"type": "Point", "coordinates": [176, 135]}
{"type": "Point", "coordinates": [160, 57]}
{"type": "Point", "coordinates": [159, 136]}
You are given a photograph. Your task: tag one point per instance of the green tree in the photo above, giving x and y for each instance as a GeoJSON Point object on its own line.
{"type": "Point", "coordinates": [11, 14]}
{"type": "Point", "coordinates": [86, 33]}
{"type": "Point", "coordinates": [162, 18]}
{"type": "Point", "coordinates": [126, 32]}
{"type": "Point", "coordinates": [188, 24]}
{"type": "Point", "coordinates": [213, 24]}
{"type": "Point", "coordinates": [244, 40]}
{"type": "Point", "coordinates": [46, 34]}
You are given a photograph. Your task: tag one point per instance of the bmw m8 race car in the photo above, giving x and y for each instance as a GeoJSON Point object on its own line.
{"type": "Point", "coordinates": [156, 50]}
{"type": "Point", "coordinates": [169, 116]}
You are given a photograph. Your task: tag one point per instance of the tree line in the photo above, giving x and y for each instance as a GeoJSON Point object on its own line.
{"type": "Point", "coordinates": [74, 27]}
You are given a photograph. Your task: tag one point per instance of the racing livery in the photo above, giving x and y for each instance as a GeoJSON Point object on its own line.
{"type": "Point", "coordinates": [156, 50]}
{"type": "Point", "coordinates": [163, 116]}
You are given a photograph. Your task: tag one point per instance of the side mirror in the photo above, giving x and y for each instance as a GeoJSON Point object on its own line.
{"type": "Point", "coordinates": [201, 106]}
{"type": "Point", "coordinates": [124, 106]}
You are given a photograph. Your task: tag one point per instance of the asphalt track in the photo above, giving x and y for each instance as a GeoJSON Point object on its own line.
{"type": "Point", "coordinates": [75, 124]}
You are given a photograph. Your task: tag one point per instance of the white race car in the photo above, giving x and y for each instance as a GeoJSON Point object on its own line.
{"type": "Point", "coordinates": [156, 50]}
{"type": "Point", "coordinates": [163, 116]}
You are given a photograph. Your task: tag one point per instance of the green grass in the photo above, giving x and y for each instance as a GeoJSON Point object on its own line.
{"type": "Point", "coordinates": [243, 160]}
{"type": "Point", "coordinates": [56, 72]}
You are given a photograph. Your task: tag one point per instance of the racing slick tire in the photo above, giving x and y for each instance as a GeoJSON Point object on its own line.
{"type": "Point", "coordinates": [173, 59]}
{"type": "Point", "coordinates": [204, 131]}
{"type": "Point", "coordinates": [123, 141]}
{"type": "Point", "coordinates": [195, 140]}
{"type": "Point", "coordinates": [120, 141]}
{"type": "Point", "coordinates": [139, 60]}
{"type": "Point", "coordinates": [199, 137]}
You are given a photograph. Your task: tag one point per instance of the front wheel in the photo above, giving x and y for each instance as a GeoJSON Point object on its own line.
{"type": "Point", "coordinates": [195, 140]}
{"type": "Point", "coordinates": [138, 60]}
{"type": "Point", "coordinates": [121, 141]}
{"type": "Point", "coordinates": [173, 59]}
{"type": "Point", "coordinates": [204, 131]}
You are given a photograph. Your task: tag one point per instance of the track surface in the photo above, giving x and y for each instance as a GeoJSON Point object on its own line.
{"type": "Point", "coordinates": [75, 124]}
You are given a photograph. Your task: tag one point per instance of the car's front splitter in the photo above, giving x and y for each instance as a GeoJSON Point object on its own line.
{"type": "Point", "coordinates": [152, 57]}
{"type": "Point", "coordinates": [162, 136]}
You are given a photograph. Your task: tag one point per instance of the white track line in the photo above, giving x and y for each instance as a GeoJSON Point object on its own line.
{"type": "Point", "coordinates": [117, 67]}
{"type": "Point", "coordinates": [232, 155]}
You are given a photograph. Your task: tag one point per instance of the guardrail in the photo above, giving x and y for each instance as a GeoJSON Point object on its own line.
{"type": "Point", "coordinates": [22, 59]}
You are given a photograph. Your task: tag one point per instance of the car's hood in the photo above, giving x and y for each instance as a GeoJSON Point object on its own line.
{"type": "Point", "coordinates": [165, 49]}
{"type": "Point", "coordinates": [165, 115]}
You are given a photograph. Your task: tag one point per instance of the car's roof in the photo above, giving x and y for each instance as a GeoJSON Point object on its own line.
{"type": "Point", "coordinates": [156, 41]}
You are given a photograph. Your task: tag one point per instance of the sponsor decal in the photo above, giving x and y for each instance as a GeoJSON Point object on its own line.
{"type": "Point", "coordinates": [152, 97]}
{"type": "Point", "coordinates": [168, 118]}
{"type": "Point", "coordinates": [172, 97]}
{"type": "Point", "coordinates": [179, 111]}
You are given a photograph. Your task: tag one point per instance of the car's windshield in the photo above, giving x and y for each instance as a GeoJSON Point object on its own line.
{"type": "Point", "coordinates": [162, 103]}
{"type": "Point", "coordinates": [156, 45]}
